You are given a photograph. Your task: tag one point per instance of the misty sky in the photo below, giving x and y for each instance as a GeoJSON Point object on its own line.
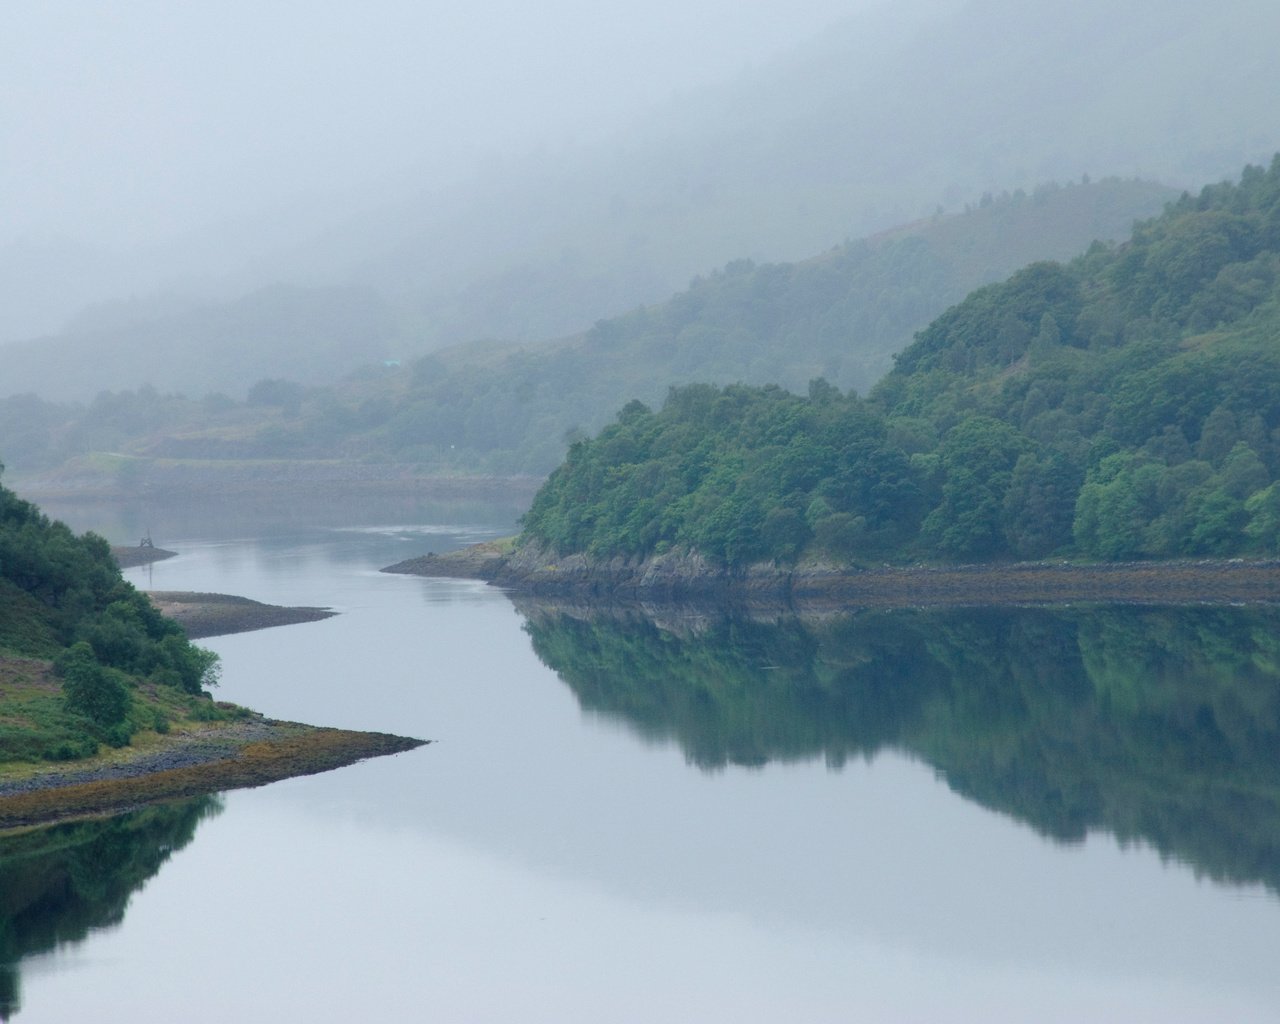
{"type": "Point", "coordinates": [124, 122]}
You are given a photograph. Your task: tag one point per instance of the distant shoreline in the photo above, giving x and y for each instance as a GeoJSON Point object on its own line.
{"type": "Point", "coordinates": [130, 557]}
{"type": "Point", "coordinates": [266, 481]}
{"type": "Point", "coordinates": [685, 577]}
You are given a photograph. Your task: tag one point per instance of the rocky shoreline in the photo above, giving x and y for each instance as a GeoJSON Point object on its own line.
{"type": "Point", "coordinates": [686, 577]}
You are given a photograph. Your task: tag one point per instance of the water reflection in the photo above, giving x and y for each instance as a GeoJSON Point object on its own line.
{"type": "Point", "coordinates": [1156, 725]}
{"type": "Point", "coordinates": [58, 884]}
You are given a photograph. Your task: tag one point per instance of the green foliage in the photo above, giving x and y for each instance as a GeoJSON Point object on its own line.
{"type": "Point", "coordinates": [977, 458]}
{"type": "Point", "coordinates": [91, 689]}
{"type": "Point", "coordinates": [1263, 526]}
{"type": "Point", "coordinates": [737, 474]}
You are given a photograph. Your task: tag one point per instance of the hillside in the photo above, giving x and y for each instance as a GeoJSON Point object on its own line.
{"type": "Point", "coordinates": [86, 659]}
{"type": "Point", "coordinates": [1124, 405]}
{"type": "Point", "coordinates": [509, 409]}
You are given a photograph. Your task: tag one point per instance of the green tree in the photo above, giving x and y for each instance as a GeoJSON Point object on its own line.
{"type": "Point", "coordinates": [977, 458]}
{"type": "Point", "coordinates": [90, 689]}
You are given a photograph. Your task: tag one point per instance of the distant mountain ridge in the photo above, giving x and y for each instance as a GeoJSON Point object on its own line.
{"type": "Point", "coordinates": [841, 314]}
{"type": "Point", "coordinates": [878, 123]}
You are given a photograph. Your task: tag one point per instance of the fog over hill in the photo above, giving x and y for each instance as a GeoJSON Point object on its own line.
{"type": "Point", "coordinates": [521, 189]}
{"type": "Point", "coordinates": [510, 408]}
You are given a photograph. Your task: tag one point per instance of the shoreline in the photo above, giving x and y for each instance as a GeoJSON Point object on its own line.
{"type": "Point", "coordinates": [681, 578]}
{"type": "Point", "coordinates": [266, 481]}
{"type": "Point", "coordinates": [235, 755]}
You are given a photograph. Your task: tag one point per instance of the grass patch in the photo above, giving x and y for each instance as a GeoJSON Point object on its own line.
{"type": "Point", "coordinates": [36, 726]}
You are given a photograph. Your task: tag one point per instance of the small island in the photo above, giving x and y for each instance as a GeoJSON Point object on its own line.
{"type": "Point", "coordinates": [130, 556]}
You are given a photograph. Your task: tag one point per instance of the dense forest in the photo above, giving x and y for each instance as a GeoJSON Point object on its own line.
{"type": "Point", "coordinates": [507, 408]}
{"type": "Point", "coordinates": [1157, 725]}
{"type": "Point", "coordinates": [123, 667]}
{"type": "Point", "coordinates": [1123, 405]}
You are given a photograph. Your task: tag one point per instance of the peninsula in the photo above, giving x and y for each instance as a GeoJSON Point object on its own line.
{"type": "Point", "coordinates": [105, 701]}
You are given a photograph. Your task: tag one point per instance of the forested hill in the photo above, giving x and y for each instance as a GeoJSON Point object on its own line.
{"type": "Point", "coordinates": [1124, 405]}
{"type": "Point", "coordinates": [508, 408]}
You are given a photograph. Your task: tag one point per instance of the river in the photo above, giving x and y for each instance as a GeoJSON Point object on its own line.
{"type": "Point", "coordinates": [975, 817]}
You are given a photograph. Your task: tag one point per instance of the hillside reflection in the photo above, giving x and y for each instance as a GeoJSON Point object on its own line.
{"type": "Point", "coordinates": [1155, 725]}
{"type": "Point", "coordinates": [58, 884]}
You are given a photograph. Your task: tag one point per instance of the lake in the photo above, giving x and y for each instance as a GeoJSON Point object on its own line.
{"type": "Point", "coordinates": [1049, 815]}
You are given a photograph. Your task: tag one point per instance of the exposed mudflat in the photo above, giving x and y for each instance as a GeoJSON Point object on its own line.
{"type": "Point", "coordinates": [230, 755]}
{"type": "Point", "coordinates": [204, 615]}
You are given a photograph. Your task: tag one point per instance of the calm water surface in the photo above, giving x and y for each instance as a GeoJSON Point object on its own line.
{"type": "Point", "coordinates": [704, 821]}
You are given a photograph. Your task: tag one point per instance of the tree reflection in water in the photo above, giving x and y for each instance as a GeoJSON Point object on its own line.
{"type": "Point", "coordinates": [1158, 725]}
{"type": "Point", "coordinates": [59, 883]}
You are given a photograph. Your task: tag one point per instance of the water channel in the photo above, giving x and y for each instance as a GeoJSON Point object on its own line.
{"type": "Point", "coordinates": [1052, 815]}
